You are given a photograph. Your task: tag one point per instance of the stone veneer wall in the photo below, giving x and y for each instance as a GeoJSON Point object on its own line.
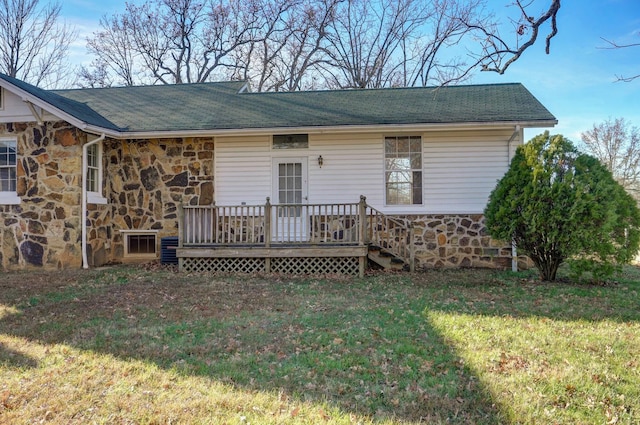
{"type": "Point", "coordinates": [146, 181]}
{"type": "Point", "coordinates": [44, 230]}
{"type": "Point", "coordinates": [458, 240]}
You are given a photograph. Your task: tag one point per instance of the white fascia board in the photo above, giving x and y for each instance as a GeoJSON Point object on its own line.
{"type": "Point", "coordinates": [319, 130]}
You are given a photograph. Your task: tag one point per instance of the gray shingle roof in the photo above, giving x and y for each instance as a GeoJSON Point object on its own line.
{"type": "Point", "coordinates": [221, 106]}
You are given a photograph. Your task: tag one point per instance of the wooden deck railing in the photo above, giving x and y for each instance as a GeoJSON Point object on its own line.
{"type": "Point", "coordinates": [277, 224]}
{"type": "Point", "coordinates": [269, 224]}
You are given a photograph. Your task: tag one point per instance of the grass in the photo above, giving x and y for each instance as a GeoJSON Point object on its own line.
{"type": "Point", "coordinates": [133, 345]}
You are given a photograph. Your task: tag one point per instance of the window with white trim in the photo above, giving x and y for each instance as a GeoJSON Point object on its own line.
{"type": "Point", "coordinates": [8, 166]}
{"type": "Point", "coordinates": [403, 170]}
{"type": "Point", "coordinates": [94, 174]}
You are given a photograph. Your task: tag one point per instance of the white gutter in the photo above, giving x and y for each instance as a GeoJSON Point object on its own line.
{"type": "Point", "coordinates": [514, 250]}
{"type": "Point", "coordinates": [85, 148]}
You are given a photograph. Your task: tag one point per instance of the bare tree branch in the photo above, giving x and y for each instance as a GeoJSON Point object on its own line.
{"type": "Point", "coordinates": [498, 53]}
{"type": "Point", "coordinates": [365, 41]}
{"type": "Point", "coordinates": [615, 45]}
{"type": "Point", "coordinates": [33, 44]}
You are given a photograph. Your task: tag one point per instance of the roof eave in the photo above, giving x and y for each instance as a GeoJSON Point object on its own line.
{"type": "Point", "coordinates": [53, 110]}
{"type": "Point", "coordinates": [168, 134]}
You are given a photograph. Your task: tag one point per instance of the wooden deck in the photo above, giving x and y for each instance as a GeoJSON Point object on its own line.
{"type": "Point", "coordinates": [290, 238]}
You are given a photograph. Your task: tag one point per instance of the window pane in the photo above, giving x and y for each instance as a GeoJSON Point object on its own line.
{"type": "Point", "coordinates": [92, 180]}
{"type": "Point", "coordinates": [92, 156]}
{"type": "Point", "coordinates": [390, 145]}
{"type": "Point", "coordinates": [416, 161]}
{"type": "Point", "coordinates": [290, 141]}
{"type": "Point", "coordinates": [7, 153]}
{"type": "Point", "coordinates": [5, 179]}
{"type": "Point", "coordinates": [403, 145]}
{"type": "Point", "coordinates": [416, 145]}
{"type": "Point", "coordinates": [417, 187]}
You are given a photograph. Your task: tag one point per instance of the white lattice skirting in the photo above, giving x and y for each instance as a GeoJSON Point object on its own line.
{"type": "Point", "coordinates": [286, 265]}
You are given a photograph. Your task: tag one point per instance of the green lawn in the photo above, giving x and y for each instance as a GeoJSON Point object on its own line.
{"type": "Point", "coordinates": [145, 346]}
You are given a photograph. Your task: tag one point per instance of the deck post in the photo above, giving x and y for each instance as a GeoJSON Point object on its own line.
{"type": "Point", "coordinates": [180, 225]}
{"type": "Point", "coordinates": [362, 232]}
{"type": "Point", "coordinates": [362, 213]}
{"type": "Point", "coordinates": [267, 233]}
{"type": "Point", "coordinates": [214, 222]}
{"type": "Point", "coordinates": [180, 233]}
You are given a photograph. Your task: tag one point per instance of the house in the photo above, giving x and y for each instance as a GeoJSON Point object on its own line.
{"type": "Point", "coordinates": [250, 180]}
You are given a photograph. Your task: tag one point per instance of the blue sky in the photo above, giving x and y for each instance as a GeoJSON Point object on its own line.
{"type": "Point", "coordinates": [576, 81]}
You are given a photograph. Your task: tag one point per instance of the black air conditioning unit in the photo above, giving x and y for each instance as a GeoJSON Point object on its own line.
{"type": "Point", "coordinates": [168, 248]}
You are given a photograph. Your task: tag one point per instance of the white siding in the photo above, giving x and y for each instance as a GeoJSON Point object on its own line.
{"type": "Point", "coordinates": [460, 169]}
{"type": "Point", "coordinates": [13, 109]}
{"type": "Point", "coordinates": [352, 167]}
{"type": "Point", "coordinates": [242, 170]}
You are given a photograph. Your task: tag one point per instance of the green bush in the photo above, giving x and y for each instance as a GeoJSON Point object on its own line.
{"type": "Point", "coordinates": [559, 205]}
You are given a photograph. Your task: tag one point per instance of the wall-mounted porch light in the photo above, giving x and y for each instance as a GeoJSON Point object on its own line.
{"type": "Point", "coordinates": [320, 161]}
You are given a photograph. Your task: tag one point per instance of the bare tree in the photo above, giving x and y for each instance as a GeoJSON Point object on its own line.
{"type": "Point", "coordinates": [615, 45]}
{"type": "Point", "coordinates": [302, 44]}
{"type": "Point", "coordinates": [429, 61]}
{"type": "Point", "coordinates": [366, 39]}
{"type": "Point", "coordinates": [113, 49]}
{"type": "Point", "coordinates": [33, 44]}
{"type": "Point", "coordinates": [290, 54]}
{"type": "Point", "coordinates": [96, 76]}
{"type": "Point", "coordinates": [175, 41]}
{"type": "Point", "coordinates": [617, 145]}
{"type": "Point", "coordinates": [256, 60]}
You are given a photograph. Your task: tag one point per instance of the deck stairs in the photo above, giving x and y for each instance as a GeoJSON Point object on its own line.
{"type": "Point", "coordinates": [385, 259]}
{"type": "Point", "coordinates": [389, 241]}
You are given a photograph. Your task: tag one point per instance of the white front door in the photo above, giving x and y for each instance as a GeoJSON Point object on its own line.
{"type": "Point", "coordinates": [290, 188]}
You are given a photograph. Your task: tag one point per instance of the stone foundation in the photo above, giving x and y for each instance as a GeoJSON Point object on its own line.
{"type": "Point", "coordinates": [458, 240]}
